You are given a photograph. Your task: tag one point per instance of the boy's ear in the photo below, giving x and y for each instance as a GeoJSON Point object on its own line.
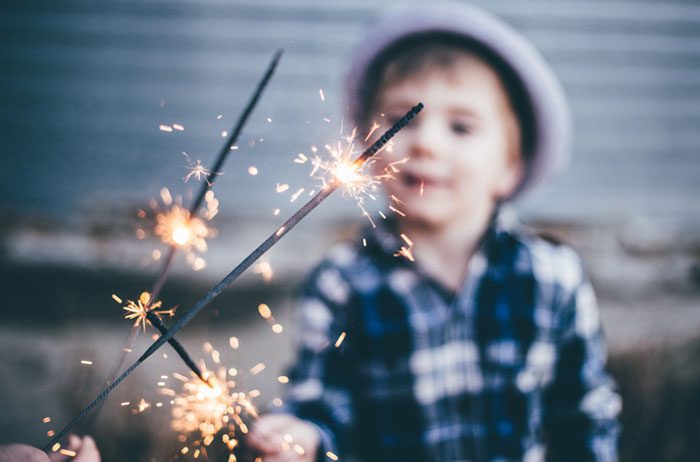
{"type": "Point", "coordinates": [510, 178]}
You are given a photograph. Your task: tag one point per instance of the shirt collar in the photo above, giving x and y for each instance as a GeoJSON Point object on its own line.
{"type": "Point", "coordinates": [386, 237]}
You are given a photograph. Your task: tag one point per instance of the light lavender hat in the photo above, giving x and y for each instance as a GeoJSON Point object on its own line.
{"type": "Point", "coordinates": [550, 150]}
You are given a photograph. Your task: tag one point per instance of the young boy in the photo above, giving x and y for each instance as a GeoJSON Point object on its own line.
{"type": "Point", "coordinates": [488, 347]}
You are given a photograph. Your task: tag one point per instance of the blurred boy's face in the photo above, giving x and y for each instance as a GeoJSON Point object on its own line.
{"type": "Point", "coordinates": [463, 148]}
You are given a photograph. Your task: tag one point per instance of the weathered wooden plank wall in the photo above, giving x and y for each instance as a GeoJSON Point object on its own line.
{"type": "Point", "coordinates": [85, 84]}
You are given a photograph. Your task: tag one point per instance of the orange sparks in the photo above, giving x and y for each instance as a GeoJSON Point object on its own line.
{"type": "Point", "coordinates": [264, 269]}
{"type": "Point", "coordinates": [68, 452]}
{"type": "Point", "coordinates": [165, 128]}
{"type": "Point", "coordinates": [281, 188]}
{"type": "Point", "coordinates": [46, 419]}
{"type": "Point", "coordinates": [277, 328]}
{"type": "Point", "coordinates": [203, 411]}
{"type": "Point", "coordinates": [372, 129]}
{"type": "Point", "coordinates": [252, 170]}
{"type": "Point", "coordinates": [331, 456]}
{"type": "Point", "coordinates": [258, 368]}
{"type": "Point", "coordinates": [86, 362]}
{"type": "Point", "coordinates": [339, 166]}
{"type": "Point", "coordinates": [405, 252]}
{"type": "Point", "coordinates": [341, 337]}
{"type": "Point", "coordinates": [264, 311]}
{"type": "Point", "coordinates": [296, 195]}
{"type": "Point", "coordinates": [175, 227]}
{"type": "Point", "coordinates": [421, 188]}
{"type": "Point", "coordinates": [138, 310]}
{"type": "Point", "coordinates": [396, 211]}
{"type": "Point", "coordinates": [195, 169]}
{"type": "Point", "coordinates": [143, 405]}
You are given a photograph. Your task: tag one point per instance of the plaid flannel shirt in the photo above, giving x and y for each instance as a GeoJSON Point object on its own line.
{"type": "Point", "coordinates": [510, 368]}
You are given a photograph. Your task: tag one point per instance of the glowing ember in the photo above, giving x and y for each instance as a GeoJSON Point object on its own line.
{"type": "Point", "coordinates": [341, 337]}
{"type": "Point", "coordinates": [195, 169]}
{"type": "Point", "coordinates": [258, 368]}
{"type": "Point", "coordinates": [138, 310]}
{"type": "Point", "coordinates": [264, 269]}
{"type": "Point", "coordinates": [143, 405]}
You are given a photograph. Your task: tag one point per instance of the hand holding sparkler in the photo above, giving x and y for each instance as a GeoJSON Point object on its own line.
{"type": "Point", "coordinates": [275, 436]}
{"type": "Point", "coordinates": [78, 450]}
{"type": "Point", "coordinates": [316, 200]}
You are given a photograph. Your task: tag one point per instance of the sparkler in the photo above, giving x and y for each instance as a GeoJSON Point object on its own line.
{"type": "Point", "coordinates": [203, 412]}
{"type": "Point", "coordinates": [357, 183]}
{"type": "Point", "coordinates": [190, 228]}
{"type": "Point", "coordinates": [142, 309]}
{"type": "Point", "coordinates": [242, 266]}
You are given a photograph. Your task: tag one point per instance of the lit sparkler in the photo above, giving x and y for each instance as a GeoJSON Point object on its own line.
{"type": "Point", "coordinates": [175, 225]}
{"type": "Point", "coordinates": [314, 202]}
{"type": "Point", "coordinates": [195, 169]}
{"type": "Point", "coordinates": [355, 178]}
{"type": "Point", "coordinates": [203, 413]}
{"type": "Point", "coordinates": [139, 310]}
{"type": "Point", "coordinates": [182, 233]}
{"type": "Point", "coordinates": [143, 312]}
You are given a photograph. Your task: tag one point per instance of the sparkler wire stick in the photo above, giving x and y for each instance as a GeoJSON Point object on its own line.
{"type": "Point", "coordinates": [194, 208]}
{"type": "Point", "coordinates": [242, 266]}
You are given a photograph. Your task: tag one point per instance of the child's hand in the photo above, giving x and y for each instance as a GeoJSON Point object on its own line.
{"type": "Point", "coordinates": [85, 449]}
{"type": "Point", "coordinates": [283, 437]}
{"type": "Point", "coordinates": [21, 452]}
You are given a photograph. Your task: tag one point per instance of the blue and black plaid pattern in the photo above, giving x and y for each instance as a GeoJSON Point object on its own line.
{"type": "Point", "coordinates": [509, 368]}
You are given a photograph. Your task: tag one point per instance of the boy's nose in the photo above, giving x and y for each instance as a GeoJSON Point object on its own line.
{"type": "Point", "coordinates": [423, 140]}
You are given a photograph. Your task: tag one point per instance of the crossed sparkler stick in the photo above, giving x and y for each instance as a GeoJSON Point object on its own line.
{"type": "Point", "coordinates": [168, 334]}
{"type": "Point", "coordinates": [207, 185]}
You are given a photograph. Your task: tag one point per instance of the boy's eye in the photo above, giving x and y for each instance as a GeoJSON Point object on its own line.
{"type": "Point", "coordinates": [460, 128]}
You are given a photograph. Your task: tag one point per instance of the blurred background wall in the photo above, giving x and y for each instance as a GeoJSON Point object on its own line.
{"type": "Point", "coordinates": [85, 86]}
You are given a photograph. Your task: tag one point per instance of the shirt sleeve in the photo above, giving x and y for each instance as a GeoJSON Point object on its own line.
{"type": "Point", "coordinates": [319, 389]}
{"type": "Point", "coordinates": [581, 405]}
